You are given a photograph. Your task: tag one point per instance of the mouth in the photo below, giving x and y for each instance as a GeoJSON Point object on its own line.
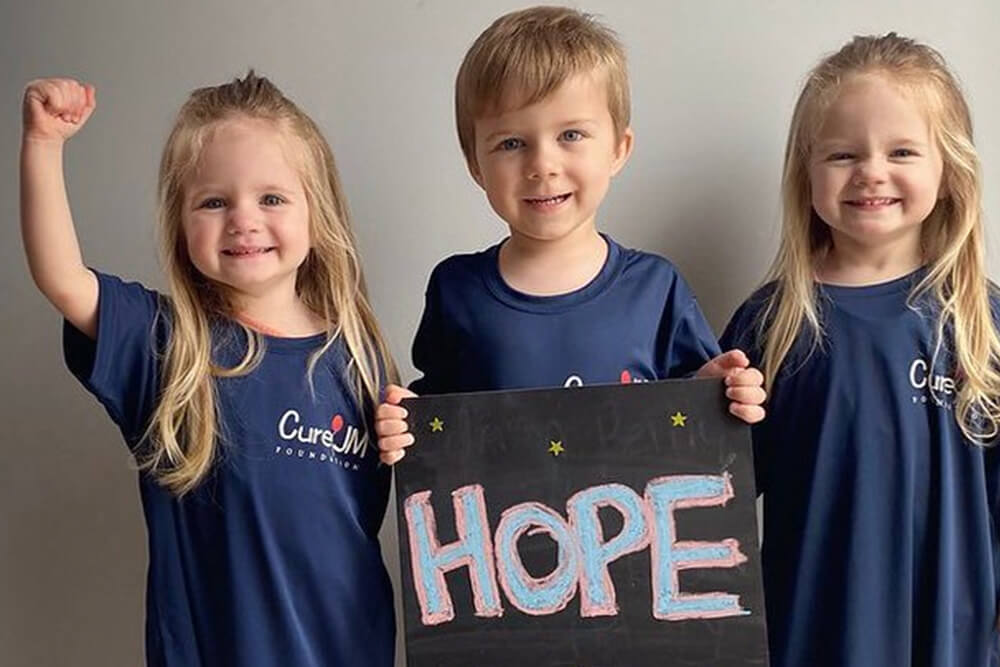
{"type": "Point", "coordinates": [872, 203]}
{"type": "Point", "coordinates": [547, 202]}
{"type": "Point", "coordinates": [247, 251]}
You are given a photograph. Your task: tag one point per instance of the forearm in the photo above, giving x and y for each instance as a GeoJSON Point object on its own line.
{"type": "Point", "coordinates": [50, 241]}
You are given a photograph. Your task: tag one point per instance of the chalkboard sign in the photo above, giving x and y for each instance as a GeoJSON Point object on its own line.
{"type": "Point", "coordinates": [593, 526]}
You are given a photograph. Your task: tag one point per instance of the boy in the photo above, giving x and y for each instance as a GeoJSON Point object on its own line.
{"type": "Point", "coordinates": [542, 106]}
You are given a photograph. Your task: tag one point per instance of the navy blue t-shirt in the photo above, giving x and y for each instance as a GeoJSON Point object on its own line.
{"type": "Point", "coordinates": [880, 540]}
{"type": "Point", "coordinates": [636, 320]}
{"type": "Point", "coordinates": [274, 558]}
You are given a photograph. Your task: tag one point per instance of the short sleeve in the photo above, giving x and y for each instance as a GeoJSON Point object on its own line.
{"type": "Point", "coordinates": [432, 353]}
{"type": "Point", "coordinates": [121, 367]}
{"type": "Point", "coordinates": [689, 341]}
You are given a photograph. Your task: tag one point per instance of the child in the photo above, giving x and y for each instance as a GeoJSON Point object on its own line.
{"type": "Point", "coordinates": [245, 395]}
{"type": "Point", "coordinates": [881, 356]}
{"type": "Point", "coordinates": [542, 106]}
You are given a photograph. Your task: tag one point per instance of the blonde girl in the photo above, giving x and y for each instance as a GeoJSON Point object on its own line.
{"type": "Point", "coordinates": [879, 346]}
{"type": "Point", "coordinates": [245, 394]}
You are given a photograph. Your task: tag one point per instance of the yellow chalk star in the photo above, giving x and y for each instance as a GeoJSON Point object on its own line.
{"type": "Point", "coordinates": [436, 425]}
{"type": "Point", "coordinates": [678, 419]}
{"type": "Point", "coordinates": [556, 448]}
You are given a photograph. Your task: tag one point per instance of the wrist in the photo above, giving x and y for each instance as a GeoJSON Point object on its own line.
{"type": "Point", "coordinates": [47, 144]}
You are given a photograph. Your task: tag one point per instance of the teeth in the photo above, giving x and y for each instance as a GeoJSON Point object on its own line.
{"type": "Point", "coordinates": [547, 200]}
{"type": "Point", "coordinates": [881, 201]}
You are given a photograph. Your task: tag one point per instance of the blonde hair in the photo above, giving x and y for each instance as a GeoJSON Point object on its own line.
{"type": "Point", "coordinates": [524, 56]}
{"type": "Point", "coordinates": [951, 236]}
{"type": "Point", "coordinates": [183, 429]}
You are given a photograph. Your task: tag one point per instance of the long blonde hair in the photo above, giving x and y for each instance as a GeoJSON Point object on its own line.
{"type": "Point", "coordinates": [183, 432]}
{"type": "Point", "coordinates": [951, 236]}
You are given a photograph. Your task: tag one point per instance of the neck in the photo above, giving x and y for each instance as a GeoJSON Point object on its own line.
{"type": "Point", "coordinates": [280, 317]}
{"type": "Point", "coordinates": [550, 268]}
{"type": "Point", "coordinates": [850, 263]}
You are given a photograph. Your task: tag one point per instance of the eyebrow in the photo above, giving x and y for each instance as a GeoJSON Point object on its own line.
{"type": "Point", "coordinates": [897, 141]}
{"type": "Point", "coordinates": [269, 187]}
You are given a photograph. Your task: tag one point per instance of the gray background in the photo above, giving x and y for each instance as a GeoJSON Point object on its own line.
{"type": "Point", "coordinates": [713, 85]}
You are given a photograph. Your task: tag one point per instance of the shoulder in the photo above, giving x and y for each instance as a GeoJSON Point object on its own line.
{"type": "Point", "coordinates": [460, 267]}
{"type": "Point", "coordinates": [644, 262]}
{"type": "Point", "coordinates": [746, 321]}
{"type": "Point", "coordinates": [650, 272]}
{"type": "Point", "coordinates": [128, 308]}
{"type": "Point", "coordinates": [757, 301]}
{"type": "Point", "coordinates": [128, 293]}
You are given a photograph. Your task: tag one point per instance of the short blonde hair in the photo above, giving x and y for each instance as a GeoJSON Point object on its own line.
{"type": "Point", "coordinates": [524, 56]}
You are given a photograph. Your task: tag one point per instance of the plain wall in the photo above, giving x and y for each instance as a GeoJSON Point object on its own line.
{"type": "Point", "coordinates": [713, 84]}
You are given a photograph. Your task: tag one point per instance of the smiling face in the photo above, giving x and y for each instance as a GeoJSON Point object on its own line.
{"type": "Point", "coordinates": [875, 169]}
{"type": "Point", "coordinates": [245, 217]}
{"type": "Point", "coordinates": [546, 167]}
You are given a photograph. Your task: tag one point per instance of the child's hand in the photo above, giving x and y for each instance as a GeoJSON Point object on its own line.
{"type": "Point", "coordinates": [744, 385]}
{"type": "Point", "coordinates": [54, 109]}
{"type": "Point", "coordinates": [391, 427]}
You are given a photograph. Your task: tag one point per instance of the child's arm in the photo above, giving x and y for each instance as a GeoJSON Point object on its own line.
{"type": "Point", "coordinates": [391, 427]}
{"type": "Point", "coordinates": [53, 110]}
{"type": "Point", "coordinates": [744, 385]}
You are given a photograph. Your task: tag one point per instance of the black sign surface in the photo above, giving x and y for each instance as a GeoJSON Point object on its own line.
{"type": "Point", "coordinates": [592, 526]}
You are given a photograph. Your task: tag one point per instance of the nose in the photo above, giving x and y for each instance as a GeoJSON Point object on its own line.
{"type": "Point", "coordinates": [543, 161]}
{"type": "Point", "coordinates": [871, 171]}
{"type": "Point", "coordinates": [242, 218]}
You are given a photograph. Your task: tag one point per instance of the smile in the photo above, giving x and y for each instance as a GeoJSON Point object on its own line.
{"type": "Point", "coordinates": [247, 251]}
{"type": "Point", "coordinates": [547, 202]}
{"type": "Point", "coordinates": [872, 202]}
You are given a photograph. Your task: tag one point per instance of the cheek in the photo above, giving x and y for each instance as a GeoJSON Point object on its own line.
{"type": "Point", "coordinates": [496, 183]}
{"type": "Point", "coordinates": [197, 242]}
{"type": "Point", "coordinates": [824, 187]}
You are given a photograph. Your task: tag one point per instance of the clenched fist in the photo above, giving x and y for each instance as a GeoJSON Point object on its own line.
{"type": "Point", "coordinates": [54, 109]}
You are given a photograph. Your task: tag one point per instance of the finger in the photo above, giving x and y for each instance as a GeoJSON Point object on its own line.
{"type": "Point", "coordinates": [722, 364]}
{"type": "Point", "coordinates": [745, 377]}
{"type": "Point", "coordinates": [91, 93]}
{"type": "Point", "coordinates": [733, 359]}
{"type": "Point", "coordinates": [391, 458]}
{"type": "Point", "coordinates": [35, 94]}
{"type": "Point", "coordinates": [66, 96]}
{"type": "Point", "coordinates": [389, 411]}
{"type": "Point", "coordinates": [384, 427]}
{"type": "Point", "coordinates": [79, 97]}
{"type": "Point", "coordinates": [79, 100]}
{"type": "Point", "coordinates": [395, 442]}
{"type": "Point", "coordinates": [394, 394]}
{"type": "Point", "coordinates": [751, 414]}
{"type": "Point", "coordinates": [748, 395]}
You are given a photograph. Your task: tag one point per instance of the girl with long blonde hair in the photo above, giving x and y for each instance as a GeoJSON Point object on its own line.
{"type": "Point", "coordinates": [878, 341]}
{"type": "Point", "coordinates": [247, 393]}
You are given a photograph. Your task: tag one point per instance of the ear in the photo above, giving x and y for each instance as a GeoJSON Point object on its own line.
{"type": "Point", "coordinates": [944, 187]}
{"type": "Point", "coordinates": [474, 171]}
{"type": "Point", "coordinates": [623, 149]}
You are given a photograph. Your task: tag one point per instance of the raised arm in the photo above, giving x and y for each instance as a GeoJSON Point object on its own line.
{"type": "Point", "coordinates": [53, 111]}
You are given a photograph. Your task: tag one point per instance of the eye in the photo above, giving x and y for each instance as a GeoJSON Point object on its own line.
{"type": "Point", "coordinates": [839, 157]}
{"type": "Point", "coordinates": [572, 135]}
{"type": "Point", "coordinates": [212, 203]}
{"type": "Point", "coordinates": [272, 200]}
{"type": "Point", "coordinates": [903, 152]}
{"type": "Point", "coordinates": [510, 144]}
